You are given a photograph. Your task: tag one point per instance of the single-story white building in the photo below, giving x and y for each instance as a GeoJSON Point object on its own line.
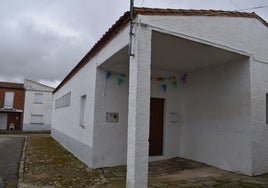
{"type": "Point", "coordinates": [37, 106]}
{"type": "Point", "coordinates": [195, 85]}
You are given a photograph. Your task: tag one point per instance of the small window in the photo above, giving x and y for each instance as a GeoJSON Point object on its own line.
{"type": "Point", "coordinates": [82, 110]}
{"type": "Point", "coordinates": [63, 101]}
{"type": "Point", "coordinates": [9, 99]}
{"type": "Point", "coordinates": [266, 108]}
{"type": "Point", "coordinates": [38, 98]}
{"type": "Point", "coordinates": [37, 119]}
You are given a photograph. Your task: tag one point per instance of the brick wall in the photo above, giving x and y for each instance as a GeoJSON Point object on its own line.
{"type": "Point", "coordinates": [18, 97]}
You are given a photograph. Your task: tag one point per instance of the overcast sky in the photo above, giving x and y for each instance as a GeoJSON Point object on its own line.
{"type": "Point", "coordinates": [43, 40]}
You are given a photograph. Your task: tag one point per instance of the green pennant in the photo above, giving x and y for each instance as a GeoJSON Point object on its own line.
{"type": "Point", "coordinates": [174, 83]}
{"type": "Point", "coordinates": [120, 81]}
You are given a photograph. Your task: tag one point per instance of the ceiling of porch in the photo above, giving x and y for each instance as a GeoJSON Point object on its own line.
{"type": "Point", "coordinates": [175, 54]}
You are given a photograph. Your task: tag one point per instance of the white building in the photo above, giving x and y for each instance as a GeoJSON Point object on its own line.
{"type": "Point", "coordinates": [37, 106]}
{"type": "Point", "coordinates": [206, 73]}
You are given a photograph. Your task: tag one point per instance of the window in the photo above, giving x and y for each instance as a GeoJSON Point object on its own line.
{"type": "Point", "coordinates": [63, 101]}
{"type": "Point", "coordinates": [82, 110]}
{"type": "Point", "coordinates": [266, 108]}
{"type": "Point", "coordinates": [9, 99]}
{"type": "Point", "coordinates": [38, 98]}
{"type": "Point", "coordinates": [37, 119]}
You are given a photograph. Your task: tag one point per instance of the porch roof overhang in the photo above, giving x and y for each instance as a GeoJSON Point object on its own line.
{"type": "Point", "coordinates": [176, 54]}
{"type": "Point", "coordinates": [124, 20]}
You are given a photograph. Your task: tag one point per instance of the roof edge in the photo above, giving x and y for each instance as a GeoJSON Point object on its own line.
{"type": "Point", "coordinates": [28, 80]}
{"type": "Point", "coordinates": [103, 41]}
{"type": "Point", "coordinates": [12, 85]}
{"type": "Point", "coordinates": [124, 20]}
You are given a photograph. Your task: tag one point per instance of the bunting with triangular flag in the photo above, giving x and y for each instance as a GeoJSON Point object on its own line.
{"type": "Point", "coordinates": [174, 83]}
{"type": "Point", "coordinates": [120, 81]}
{"type": "Point", "coordinates": [164, 87]}
{"type": "Point", "coordinates": [184, 78]}
{"type": "Point", "coordinates": [108, 74]}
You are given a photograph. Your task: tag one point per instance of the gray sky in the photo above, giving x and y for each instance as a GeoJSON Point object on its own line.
{"type": "Point", "coordinates": [43, 40]}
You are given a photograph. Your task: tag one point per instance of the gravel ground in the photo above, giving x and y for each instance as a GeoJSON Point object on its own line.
{"type": "Point", "coordinates": [47, 164]}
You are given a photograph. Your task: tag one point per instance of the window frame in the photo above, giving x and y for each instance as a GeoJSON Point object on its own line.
{"type": "Point", "coordinates": [6, 100]}
{"type": "Point", "coordinates": [83, 101]}
{"type": "Point", "coordinates": [37, 122]}
{"type": "Point", "coordinates": [63, 101]}
{"type": "Point", "coordinates": [38, 101]}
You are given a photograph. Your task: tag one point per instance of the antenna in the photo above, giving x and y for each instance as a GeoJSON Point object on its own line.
{"type": "Point", "coordinates": [131, 34]}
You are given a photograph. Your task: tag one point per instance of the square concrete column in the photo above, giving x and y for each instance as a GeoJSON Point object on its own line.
{"type": "Point", "coordinates": [138, 108]}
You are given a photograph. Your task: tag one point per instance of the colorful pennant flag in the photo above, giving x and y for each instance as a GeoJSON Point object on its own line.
{"type": "Point", "coordinates": [160, 78]}
{"type": "Point", "coordinates": [108, 74]}
{"type": "Point", "coordinates": [120, 81]}
{"type": "Point", "coordinates": [174, 83]}
{"type": "Point", "coordinates": [183, 78]}
{"type": "Point", "coordinates": [164, 87]}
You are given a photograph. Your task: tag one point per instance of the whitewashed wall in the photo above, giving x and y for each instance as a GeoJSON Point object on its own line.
{"type": "Point", "coordinates": [259, 88]}
{"type": "Point", "coordinates": [242, 35]}
{"type": "Point", "coordinates": [223, 139]}
{"type": "Point", "coordinates": [65, 121]}
{"type": "Point", "coordinates": [44, 109]}
{"type": "Point", "coordinates": [216, 117]}
{"type": "Point", "coordinates": [110, 139]}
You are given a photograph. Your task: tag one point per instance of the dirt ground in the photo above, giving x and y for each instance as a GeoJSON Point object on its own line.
{"type": "Point", "coordinates": [47, 164]}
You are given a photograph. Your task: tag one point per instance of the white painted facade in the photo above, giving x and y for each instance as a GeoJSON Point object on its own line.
{"type": "Point", "coordinates": [220, 110]}
{"type": "Point", "coordinates": [37, 106]}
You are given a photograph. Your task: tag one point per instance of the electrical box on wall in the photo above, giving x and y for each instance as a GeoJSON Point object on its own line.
{"type": "Point", "coordinates": [112, 117]}
{"type": "Point", "coordinates": [173, 116]}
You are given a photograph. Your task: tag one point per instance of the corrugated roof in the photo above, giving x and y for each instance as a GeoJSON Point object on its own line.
{"type": "Point", "coordinates": [124, 20]}
{"type": "Point", "coordinates": [11, 85]}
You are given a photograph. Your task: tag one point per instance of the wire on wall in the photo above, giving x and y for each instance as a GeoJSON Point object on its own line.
{"type": "Point", "coordinates": [235, 5]}
{"type": "Point", "coordinates": [254, 8]}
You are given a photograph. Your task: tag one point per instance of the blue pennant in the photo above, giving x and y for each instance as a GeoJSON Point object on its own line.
{"type": "Point", "coordinates": [164, 87]}
{"type": "Point", "coordinates": [108, 74]}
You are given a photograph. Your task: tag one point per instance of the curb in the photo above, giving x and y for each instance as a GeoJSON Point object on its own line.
{"type": "Point", "coordinates": [21, 169]}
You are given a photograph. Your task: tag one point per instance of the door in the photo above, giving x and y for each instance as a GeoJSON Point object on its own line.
{"type": "Point", "coordinates": [156, 127]}
{"type": "Point", "coordinates": [3, 121]}
{"type": "Point", "coordinates": [14, 121]}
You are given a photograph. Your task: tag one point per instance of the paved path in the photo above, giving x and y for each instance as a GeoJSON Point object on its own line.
{"type": "Point", "coordinates": [47, 164]}
{"type": "Point", "coordinates": [10, 154]}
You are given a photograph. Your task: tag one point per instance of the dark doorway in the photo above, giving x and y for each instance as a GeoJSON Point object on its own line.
{"type": "Point", "coordinates": [156, 127]}
{"type": "Point", "coordinates": [14, 121]}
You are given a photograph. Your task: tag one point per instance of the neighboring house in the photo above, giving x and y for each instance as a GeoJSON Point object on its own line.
{"type": "Point", "coordinates": [11, 105]}
{"type": "Point", "coordinates": [194, 86]}
{"type": "Point", "coordinates": [38, 106]}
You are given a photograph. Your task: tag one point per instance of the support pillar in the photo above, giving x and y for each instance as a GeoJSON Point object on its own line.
{"type": "Point", "coordinates": [139, 108]}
